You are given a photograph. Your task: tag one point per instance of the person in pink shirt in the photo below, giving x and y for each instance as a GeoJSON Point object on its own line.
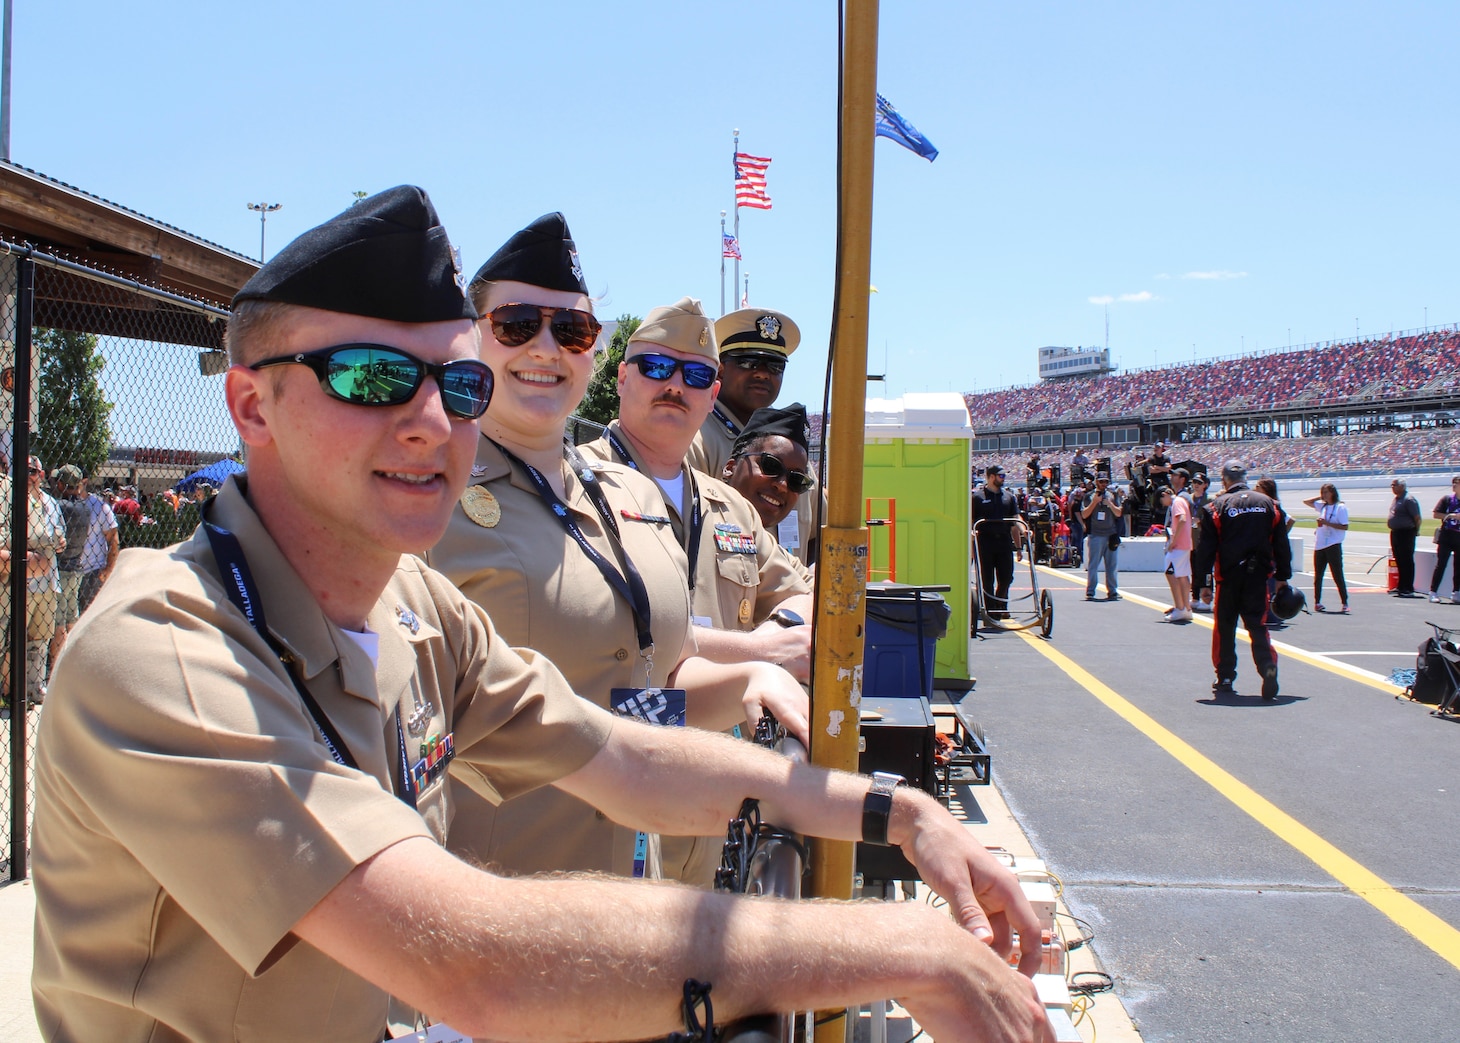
{"type": "Point", "coordinates": [1178, 555]}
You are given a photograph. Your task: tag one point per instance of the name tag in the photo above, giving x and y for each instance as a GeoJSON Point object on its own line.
{"type": "Point", "coordinates": [702, 621]}
{"type": "Point", "coordinates": [1099, 515]}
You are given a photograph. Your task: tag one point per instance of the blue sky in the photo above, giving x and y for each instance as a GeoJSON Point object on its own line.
{"type": "Point", "coordinates": [1227, 176]}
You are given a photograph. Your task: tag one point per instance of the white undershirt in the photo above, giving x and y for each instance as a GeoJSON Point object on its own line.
{"type": "Point", "coordinates": [369, 640]}
{"type": "Point", "coordinates": [673, 489]}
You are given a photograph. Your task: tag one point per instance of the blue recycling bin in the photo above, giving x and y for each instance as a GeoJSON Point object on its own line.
{"type": "Point", "coordinates": [904, 623]}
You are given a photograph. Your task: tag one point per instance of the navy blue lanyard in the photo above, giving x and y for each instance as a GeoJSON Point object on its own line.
{"type": "Point", "coordinates": [628, 584]}
{"type": "Point", "coordinates": [730, 425]}
{"type": "Point", "coordinates": [239, 582]}
{"type": "Point", "coordinates": [696, 519]}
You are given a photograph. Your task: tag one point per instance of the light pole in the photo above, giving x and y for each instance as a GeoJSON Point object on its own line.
{"type": "Point", "coordinates": [263, 210]}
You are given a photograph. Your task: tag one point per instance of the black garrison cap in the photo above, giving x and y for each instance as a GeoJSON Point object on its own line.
{"type": "Point", "coordinates": [789, 422]}
{"type": "Point", "coordinates": [542, 254]}
{"type": "Point", "coordinates": [387, 257]}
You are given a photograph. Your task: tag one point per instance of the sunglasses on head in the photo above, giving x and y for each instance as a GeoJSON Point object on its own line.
{"type": "Point", "coordinates": [797, 481]}
{"type": "Point", "coordinates": [662, 367]}
{"type": "Point", "coordinates": [515, 324]}
{"type": "Point", "coordinates": [376, 375]}
{"type": "Point", "coordinates": [775, 367]}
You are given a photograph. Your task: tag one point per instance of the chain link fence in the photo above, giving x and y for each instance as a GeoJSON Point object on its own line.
{"type": "Point", "coordinates": [114, 439]}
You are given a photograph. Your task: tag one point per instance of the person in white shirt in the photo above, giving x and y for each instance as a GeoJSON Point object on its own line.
{"type": "Point", "coordinates": [1328, 544]}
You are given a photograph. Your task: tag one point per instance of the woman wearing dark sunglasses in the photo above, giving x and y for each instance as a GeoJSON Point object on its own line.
{"type": "Point", "coordinates": [572, 559]}
{"type": "Point", "coordinates": [769, 463]}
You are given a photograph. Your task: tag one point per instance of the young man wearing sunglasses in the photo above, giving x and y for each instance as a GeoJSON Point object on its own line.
{"type": "Point", "coordinates": [240, 776]}
{"type": "Point", "coordinates": [755, 344]}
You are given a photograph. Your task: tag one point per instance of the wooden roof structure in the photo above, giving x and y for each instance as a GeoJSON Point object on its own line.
{"type": "Point", "coordinates": [66, 222]}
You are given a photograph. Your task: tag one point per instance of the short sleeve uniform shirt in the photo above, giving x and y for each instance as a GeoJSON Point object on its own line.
{"type": "Point", "coordinates": [187, 814]}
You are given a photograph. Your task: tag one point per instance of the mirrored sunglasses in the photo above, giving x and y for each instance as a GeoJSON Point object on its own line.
{"type": "Point", "coordinates": [662, 367]}
{"type": "Point", "coordinates": [376, 375]}
{"type": "Point", "coordinates": [775, 367]}
{"type": "Point", "coordinates": [515, 324]}
{"type": "Point", "coordinates": [770, 465]}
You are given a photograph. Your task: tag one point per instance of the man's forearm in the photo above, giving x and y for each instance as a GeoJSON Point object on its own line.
{"type": "Point", "coordinates": [530, 959]}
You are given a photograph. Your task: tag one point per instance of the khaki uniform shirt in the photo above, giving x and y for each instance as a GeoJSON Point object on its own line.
{"type": "Point", "coordinates": [187, 814]}
{"type": "Point", "coordinates": [741, 572]}
{"type": "Point", "coordinates": [741, 575]}
{"type": "Point", "coordinates": [544, 593]}
{"type": "Point", "coordinates": [711, 451]}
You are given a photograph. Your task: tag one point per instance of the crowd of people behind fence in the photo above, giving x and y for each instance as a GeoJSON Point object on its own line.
{"type": "Point", "coordinates": [1380, 368]}
{"type": "Point", "coordinates": [74, 534]}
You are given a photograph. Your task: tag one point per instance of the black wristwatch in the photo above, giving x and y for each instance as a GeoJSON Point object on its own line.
{"type": "Point", "coordinates": [787, 618]}
{"type": "Point", "coordinates": [877, 807]}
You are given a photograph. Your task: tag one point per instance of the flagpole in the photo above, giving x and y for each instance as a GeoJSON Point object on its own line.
{"type": "Point", "coordinates": [733, 163]}
{"type": "Point", "coordinates": [722, 262]}
{"type": "Point", "coordinates": [745, 298]}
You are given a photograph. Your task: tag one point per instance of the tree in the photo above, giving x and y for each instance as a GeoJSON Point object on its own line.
{"type": "Point", "coordinates": [600, 404]}
{"type": "Point", "coordinates": [72, 411]}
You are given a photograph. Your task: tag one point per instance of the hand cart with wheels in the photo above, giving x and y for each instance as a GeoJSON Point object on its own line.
{"type": "Point", "coordinates": [1037, 613]}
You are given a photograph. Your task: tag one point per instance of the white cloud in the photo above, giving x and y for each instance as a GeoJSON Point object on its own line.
{"type": "Point", "coordinates": [1101, 300]}
{"type": "Point", "coordinates": [1215, 275]}
{"type": "Point", "coordinates": [1163, 275]}
{"type": "Point", "coordinates": [1124, 298]}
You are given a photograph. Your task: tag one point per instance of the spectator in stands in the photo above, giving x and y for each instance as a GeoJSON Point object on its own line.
{"type": "Point", "coordinates": [1101, 515]}
{"type": "Point", "coordinates": [1447, 542]}
{"type": "Point", "coordinates": [1328, 544]}
{"type": "Point", "coordinates": [1404, 519]}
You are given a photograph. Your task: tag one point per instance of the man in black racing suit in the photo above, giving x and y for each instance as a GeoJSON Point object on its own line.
{"type": "Point", "coordinates": [1243, 535]}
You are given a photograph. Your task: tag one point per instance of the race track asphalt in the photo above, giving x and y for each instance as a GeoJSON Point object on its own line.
{"type": "Point", "coordinates": [1255, 871]}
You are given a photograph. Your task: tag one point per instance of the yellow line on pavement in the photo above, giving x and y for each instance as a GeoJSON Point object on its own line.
{"type": "Point", "coordinates": [1429, 929]}
{"type": "Point", "coordinates": [1365, 677]}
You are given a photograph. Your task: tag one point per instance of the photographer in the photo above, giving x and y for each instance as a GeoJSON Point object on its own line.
{"type": "Point", "coordinates": [1101, 515]}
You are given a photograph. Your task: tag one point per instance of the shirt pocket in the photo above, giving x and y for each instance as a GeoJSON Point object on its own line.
{"type": "Point", "coordinates": [739, 569]}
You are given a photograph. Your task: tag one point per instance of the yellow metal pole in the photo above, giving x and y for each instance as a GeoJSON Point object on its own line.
{"type": "Point", "coordinates": [842, 565]}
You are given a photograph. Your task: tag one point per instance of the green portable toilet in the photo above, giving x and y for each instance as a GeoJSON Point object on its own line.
{"type": "Point", "coordinates": [916, 467]}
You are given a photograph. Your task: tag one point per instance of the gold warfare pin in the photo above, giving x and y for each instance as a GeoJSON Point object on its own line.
{"type": "Point", "coordinates": [481, 507]}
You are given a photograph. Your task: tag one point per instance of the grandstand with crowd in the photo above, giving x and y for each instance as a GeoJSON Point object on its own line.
{"type": "Point", "coordinates": [1347, 408]}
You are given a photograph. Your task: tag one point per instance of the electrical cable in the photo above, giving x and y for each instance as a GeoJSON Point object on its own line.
{"type": "Point", "coordinates": [1097, 981]}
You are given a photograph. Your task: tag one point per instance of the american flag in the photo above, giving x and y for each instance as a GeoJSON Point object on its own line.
{"type": "Point", "coordinates": [750, 181]}
{"type": "Point", "coordinates": [731, 247]}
